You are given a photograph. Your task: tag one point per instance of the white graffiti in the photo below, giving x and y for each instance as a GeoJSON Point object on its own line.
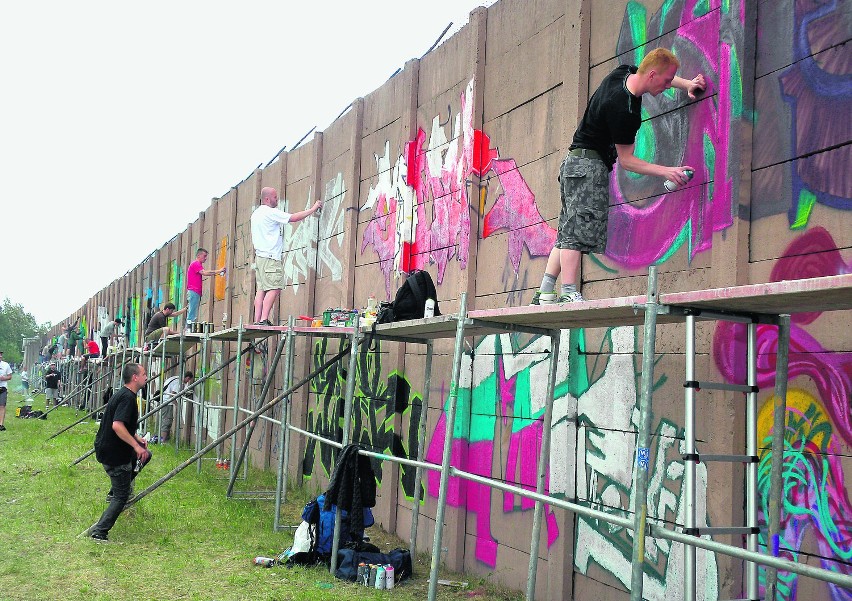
{"type": "Point", "coordinates": [103, 318]}
{"type": "Point", "coordinates": [299, 246]}
{"type": "Point", "coordinates": [605, 471]}
{"type": "Point", "coordinates": [331, 228]}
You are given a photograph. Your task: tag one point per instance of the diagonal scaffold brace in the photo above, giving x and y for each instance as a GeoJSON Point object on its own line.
{"type": "Point", "coordinates": [156, 409]}
{"type": "Point", "coordinates": [239, 426]}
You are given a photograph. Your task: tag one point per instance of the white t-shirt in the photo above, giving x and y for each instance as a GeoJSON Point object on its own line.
{"type": "Point", "coordinates": [5, 370]}
{"type": "Point", "coordinates": [266, 234]}
{"type": "Point", "coordinates": [173, 386]}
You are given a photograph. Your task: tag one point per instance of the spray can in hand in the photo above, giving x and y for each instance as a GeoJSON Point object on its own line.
{"type": "Point", "coordinates": [672, 186]}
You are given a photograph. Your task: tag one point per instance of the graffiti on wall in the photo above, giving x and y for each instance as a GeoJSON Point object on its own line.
{"type": "Point", "coordinates": [308, 244]}
{"type": "Point", "coordinates": [220, 281]}
{"type": "Point", "coordinates": [819, 423]}
{"type": "Point", "coordinates": [176, 284]}
{"type": "Point", "coordinates": [818, 88]}
{"type": "Point", "coordinates": [379, 402]}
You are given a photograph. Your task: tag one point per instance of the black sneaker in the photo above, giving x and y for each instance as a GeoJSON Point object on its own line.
{"type": "Point", "coordinates": [2, 427]}
{"type": "Point", "coordinates": [99, 538]}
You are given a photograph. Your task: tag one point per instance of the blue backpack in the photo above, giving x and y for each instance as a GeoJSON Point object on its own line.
{"type": "Point", "coordinates": [324, 522]}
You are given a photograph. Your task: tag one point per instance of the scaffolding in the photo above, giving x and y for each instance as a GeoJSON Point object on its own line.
{"type": "Point", "coordinates": [770, 303]}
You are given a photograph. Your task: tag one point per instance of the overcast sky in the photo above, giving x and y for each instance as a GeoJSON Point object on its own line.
{"type": "Point", "coordinates": [120, 121]}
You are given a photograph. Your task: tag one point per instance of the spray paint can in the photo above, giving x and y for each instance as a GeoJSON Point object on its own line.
{"type": "Point", "coordinates": [429, 310]}
{"type": "Point", "coordinates": [380, 577]}
{"type": "Point", "coordinates": [389, 576]}
{"type": "Point", "coordinates": [266, 562]}
{"type": "Point", "coordinates": [362, 567]}
{"type": "Point", "coordinates": [671, 186]}
{"type": "Point", "coordinates": [372, 581]}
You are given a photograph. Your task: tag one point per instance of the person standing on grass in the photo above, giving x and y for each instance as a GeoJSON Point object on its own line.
{"type": "Point", "coordinates": [268, 240]}
{"type": "Point", "coordinates": [193, 284]}
{"type": "Point", "coordinates": [52, 379]}
{"type": "Point", "coordinates": [118, 447]}
{"type": "Point", "coordinates": [5, 376]}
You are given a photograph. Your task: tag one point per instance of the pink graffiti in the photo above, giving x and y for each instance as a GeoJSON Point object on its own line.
{"type": "Point", "coordinates": [830, 372]}
{"type": "Point", "coordinates": [641, 235]}
{"type": "Point", "coordinates": [380, 233]}
{"type": "Point", "coordinates": [515, 210]}
{"type": "Point", "coordinates": [477, 457]}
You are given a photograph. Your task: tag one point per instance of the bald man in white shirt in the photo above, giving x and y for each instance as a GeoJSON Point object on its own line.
{"type": "Point", "coordinates": [268, 241]}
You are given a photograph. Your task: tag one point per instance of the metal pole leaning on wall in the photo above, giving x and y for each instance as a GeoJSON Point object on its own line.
{"type": "Point", "coordinates": [421, 444]}
{"type": "Point", "coordinates": [237, 373]}
{"type": "Point", "coordinates": [447, 452]}
{"type": "Point", "coordinates": [267, 384]}
{"type": "Point", "coordinates": [238, 426]}
{"type": "Point", "coordinates": [178, 408]}
{"type": "Point", "coordinates": [201, 422]}
{"type": "Point", "coordinates": [752, 581]}
{"type": "Point", "coordinates": [779, 432]}
{"type": "Point", "coordinates": [349, 399]}
{"type": "Point", "coordinates": [543, 461]}
{"type": "Point", "coordinates": [640, 470]}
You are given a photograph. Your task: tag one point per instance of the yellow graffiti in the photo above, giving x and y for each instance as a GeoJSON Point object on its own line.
{"type": "Point", "coordinates": [801, 403]}
{"type": "Point", "coordinates": [219, 282]}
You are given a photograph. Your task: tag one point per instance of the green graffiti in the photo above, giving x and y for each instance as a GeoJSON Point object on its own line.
{"type": "Point", "coordinates": [646, 145]}
{"type": "Point", "coordinates": [709, 161]}
{"type": "Point", "coordinates": [664, 11]}
{"type": "Point", "coordinates": [726, 6]}
{"type": "Point", "coordinates": [702, 7]}
{"type": "Point", "coordinates": [600, 264]}
{"type": "Point", "coordinates": [636, 16]}
{"type": "Point", "coordinates": [134, 321]}
{"type": "Point", "coordinates": [684, 237]}
{"type": "Point", "coordinates": [807, 200]}
{"type": "Point", "coordinates": [578, 372]}
{"type": "Point", "coordinates": [736, 86]}
{"type": "Point", "coordinates": [175, 284]}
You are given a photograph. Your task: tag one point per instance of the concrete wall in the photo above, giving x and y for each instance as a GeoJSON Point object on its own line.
{"type": "Point", "coordinates": [451, 166]}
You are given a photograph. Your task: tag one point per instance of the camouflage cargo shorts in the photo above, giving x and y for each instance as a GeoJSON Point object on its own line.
{"type": "Point", "coordinates": [584, 183]}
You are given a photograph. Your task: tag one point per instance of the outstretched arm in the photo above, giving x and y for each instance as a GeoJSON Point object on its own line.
{"type": "Point", "coordinates": [298, 216]}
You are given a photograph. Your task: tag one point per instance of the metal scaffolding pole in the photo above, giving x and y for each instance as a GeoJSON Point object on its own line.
{"type": "Point", "coordinates": [237, 373]}
{"type": "Point", "coordinates": [354, 341]}
{"type": "Point", "coordinates": [689, 557]}
{"type": "Point", "coordinates": [751, 569]}
{"type": "Point", "coordinates": [267, 384]}
{"type": "Point", "coordinates": [284, 434]}
{"type": "Point", "coordinates": [201, 414]}
{"type": "Point", "coordinates": [461, 320]}
{"type": "Point", "coordinates": [543, 462]}
{"type": "Point", "coordinates": [779, 433]}
{"type": "Point", "coordinates": [640, 472]}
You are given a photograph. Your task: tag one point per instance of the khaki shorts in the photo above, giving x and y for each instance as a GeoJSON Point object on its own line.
{"type": "Point", "coordinates": [270, 273]}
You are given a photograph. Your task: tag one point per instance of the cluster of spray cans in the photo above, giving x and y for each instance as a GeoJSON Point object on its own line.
{"type": "Point", "coordinates": [376, 576]}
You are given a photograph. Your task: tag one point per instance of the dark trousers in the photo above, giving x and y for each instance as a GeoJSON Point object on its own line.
{"type": "Point", "coordinates": [104, 346]}
{"type": "Point", "coordinates": [121, 479]}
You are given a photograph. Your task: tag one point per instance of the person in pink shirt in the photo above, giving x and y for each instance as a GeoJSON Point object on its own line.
{"type": "Point", "coordinates": [193, 283]}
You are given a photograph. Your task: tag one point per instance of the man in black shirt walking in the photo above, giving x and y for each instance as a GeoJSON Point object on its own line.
{"type": "Point", "coordinates": [118, 447]}
{"type": "Point", "coordinates": [607, 133]}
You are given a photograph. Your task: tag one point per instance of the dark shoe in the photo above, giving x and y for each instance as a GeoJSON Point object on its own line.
{"type": "Point", "coordinates": [263, 322]}
{"type": "Point", "coordinates": [99, 538]}
{"type": "Point", "coordinates": [2, 427]}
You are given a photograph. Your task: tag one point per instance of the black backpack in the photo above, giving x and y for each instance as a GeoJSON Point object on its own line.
{"type": "Point", "coordinates": [410, 300]}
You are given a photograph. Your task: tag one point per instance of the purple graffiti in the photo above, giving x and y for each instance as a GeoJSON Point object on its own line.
{"type": "Point", "coordinates": [642, 234]}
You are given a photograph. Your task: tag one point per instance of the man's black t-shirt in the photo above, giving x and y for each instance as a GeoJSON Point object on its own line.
{"type": "Point", "coordinates": [157, 321]}
{"type": "Point", "coordinates": [51, 379]}
{"type": "Point", "coordinates": [612, 117]}
{"type": "Point", "coordinates": [109, 448]}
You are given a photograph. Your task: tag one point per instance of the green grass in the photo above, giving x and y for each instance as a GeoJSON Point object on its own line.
{"type": "Point", "coordinates": [185, 540]}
